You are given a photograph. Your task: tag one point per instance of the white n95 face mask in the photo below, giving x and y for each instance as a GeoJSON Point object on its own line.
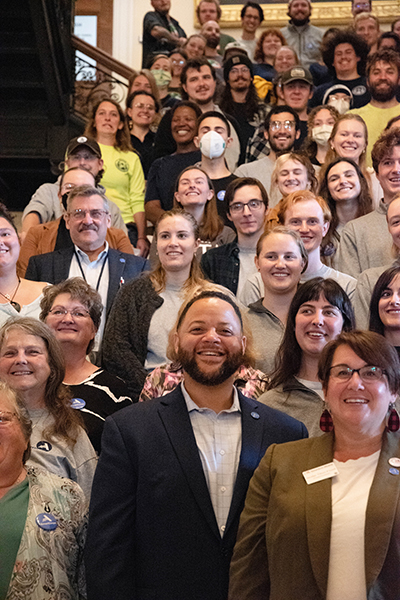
{"type": "Point", "coordinates": [321, 134]}
{"type": "Point", "coordinates": [212, 144]}
{"type": "Point", "coordinates": [342, 105]}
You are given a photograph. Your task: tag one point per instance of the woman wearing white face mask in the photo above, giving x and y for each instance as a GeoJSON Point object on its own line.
{"type": "Point", "coordinates": [320, 124]}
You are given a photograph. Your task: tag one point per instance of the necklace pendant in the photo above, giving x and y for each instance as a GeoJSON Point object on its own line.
{"type": "Point", "coordinates": [16, 305]}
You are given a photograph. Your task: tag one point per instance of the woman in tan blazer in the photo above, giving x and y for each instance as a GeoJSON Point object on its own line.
{"type": "Point", "coordinates": [322, 515]}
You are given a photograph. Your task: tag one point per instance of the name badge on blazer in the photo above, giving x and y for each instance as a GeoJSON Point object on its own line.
{"type": "Point", "coordinates": [320, 473]}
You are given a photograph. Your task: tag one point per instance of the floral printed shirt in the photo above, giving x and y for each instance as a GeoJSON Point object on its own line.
{"type": "Point", "coordinates": [162, 380]}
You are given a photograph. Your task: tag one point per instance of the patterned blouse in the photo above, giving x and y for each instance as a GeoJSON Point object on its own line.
{"type": "Point", "coordinates": [162, 380]}
{"type": "Point", "coordinates": [49, 564]}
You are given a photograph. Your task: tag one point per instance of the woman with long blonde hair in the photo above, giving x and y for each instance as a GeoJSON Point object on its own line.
{"type": "Point", "coordinates": [136, 336]}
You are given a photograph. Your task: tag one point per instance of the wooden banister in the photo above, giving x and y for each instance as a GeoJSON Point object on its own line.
{"type": "Point", "coordinates": [103, 58]}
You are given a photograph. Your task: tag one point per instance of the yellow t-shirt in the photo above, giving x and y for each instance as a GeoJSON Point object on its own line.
{"type": "Point", "coordinates": [376, 120]}
{"type": "Point", "coordinates": [123, 180]}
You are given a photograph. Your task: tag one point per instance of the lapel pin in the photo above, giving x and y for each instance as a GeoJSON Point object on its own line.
{"type": "Point", "coordinates": [46, 521]}
{"type": "Point", "coordinates": [394, 471]}
{"type": "Point", "coordinates": [255, 415]}
{"type": "Point", "coordinates": [122, 260]}
{"type": "Point", "coordinates": [78, 403]}
{"type": "Point", "coordinates": [394, 462]}
{"type": "Point", "coordinates": [43, 445]}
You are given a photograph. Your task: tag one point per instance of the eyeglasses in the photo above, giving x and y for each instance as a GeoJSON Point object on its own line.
{"type": "Point", "coordinates": [237, 70]}
{"type": "Point", "coordinates": [6, 417]}
{"type": "Point", "coordinates": [84, 156]}
{"type": "Point", "coordinates": [238, 207]}
{"type": "Point", "coordinates": [368, 374]}
{"type": "Point", "coordinates": [76, 313]}
{"type": "Point", "coordinates": [177, 62]}
{"type": "Point", "coordinates": [96, 214]}
{"type": "Point", "coordinates": [141, 106]}
{"type": "Point", "coordinates": [276, 125]}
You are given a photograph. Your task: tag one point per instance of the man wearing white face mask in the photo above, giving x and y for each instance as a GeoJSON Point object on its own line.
{"type": "Point", "coordinates": [345, 55]}
{"type": "Point", "coordinates": [213, 139]}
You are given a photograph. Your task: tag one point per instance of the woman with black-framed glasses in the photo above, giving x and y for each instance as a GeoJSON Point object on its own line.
{"type": "Point", "coordinates": [333, 526]}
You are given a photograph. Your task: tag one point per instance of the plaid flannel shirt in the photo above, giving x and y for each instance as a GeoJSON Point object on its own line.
{"type": "Point", "coordinates": [221, 265]}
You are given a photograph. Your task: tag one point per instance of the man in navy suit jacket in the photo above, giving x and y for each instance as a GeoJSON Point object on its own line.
{"type": "Point", "coordinates": [88, 219]}
{"type": "Point", "coordinates": [173, 472]}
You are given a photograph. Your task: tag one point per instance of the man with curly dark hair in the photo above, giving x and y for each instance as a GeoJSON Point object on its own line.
{"type": "Point", "coordinates": [345, 55]}
{"type": "Point", "coordinates": [383, 78]}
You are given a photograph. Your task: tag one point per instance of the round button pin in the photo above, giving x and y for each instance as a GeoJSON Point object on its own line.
{"type": "Point", "coordinates": [46, 521]}
{"type": "Point", "coordinates": [43, 445]}
{"type": "Point", "coordinates": [394, 462]}
{"type": "Point", "coordinates": [78, 403]}
{"type": "Point", "coordinates": [255, 415]}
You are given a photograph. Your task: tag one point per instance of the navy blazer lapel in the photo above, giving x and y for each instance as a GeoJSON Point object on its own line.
{"type": "Point", "coordinates": [319, 521]}
{"type": "Point", "coordinates": [252, 435]}
{"type": "Point", "coordinates": [62, 263]}
{"type": "Point", "coordinates": [116, 267]}
{"type": "Point", "coordinates": [175, 417]}
{"type": "Point", "coordinates": [381, 509]}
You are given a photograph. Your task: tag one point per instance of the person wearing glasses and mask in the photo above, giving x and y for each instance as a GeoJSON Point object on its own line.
{"type": "Point", "coordinates": [231, 264]}
{"type": "Point", "coordinates": [106, 270]}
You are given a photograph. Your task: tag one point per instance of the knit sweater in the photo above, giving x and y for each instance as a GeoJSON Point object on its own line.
{"type": "Point", "coordinates": [365, 243]}
{"type": "Point", "coordinates": [124, 347]}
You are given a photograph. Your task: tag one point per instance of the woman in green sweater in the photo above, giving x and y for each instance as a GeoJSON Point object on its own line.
{"type": "Point", "coordinates": [123, 176]}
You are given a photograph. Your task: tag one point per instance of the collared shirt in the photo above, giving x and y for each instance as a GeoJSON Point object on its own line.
{"type": "Point", "coordinates": [219, 441]}
{"type": "Point", "coordinates": [94, 275]}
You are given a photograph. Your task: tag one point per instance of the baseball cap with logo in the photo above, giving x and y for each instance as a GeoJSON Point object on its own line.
{"type": "Point", "coordinates": [297, 73]}
{"type": "Point", "coordinates": [83, 141]}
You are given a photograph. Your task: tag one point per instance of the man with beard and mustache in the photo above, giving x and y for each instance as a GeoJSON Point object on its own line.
{"type": "Point", "coordinates": [240, 99]}
{"type": "Point", "coordinates": [212, 33]}
{"type": "Point", "coordinates": [281, 129]}
{"type": "Point", "coordinates": [300, 35]}
{"type": "Point", "coordinates": [383, 78]}
{"type": "Point", "coordinates": [173, 472]}
{"type": "Point", "coordinates": [88, 219]}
